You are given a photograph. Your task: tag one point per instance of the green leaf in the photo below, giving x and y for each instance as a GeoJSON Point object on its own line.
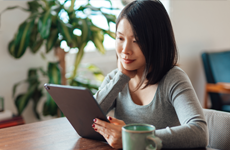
{"type": "Point", "coordinates": [56, 8]}
{"type": "Point", "coordinates": [98, 38]}
{"type": "Point", "coordinates": [54, 73]}
{"type": "Point", "coordinates": [34, 6]}
{"type": "Point", "coordinates": [37, 45]}
{"type": "Point", "coordinates": [95, 28]}
{"type": "Point", "coordinates": [81, 8]}
{"type": "Point", "coordinates": [44, 24]}
{"type": "Point", "coordinates": [85, 30]}
{"type": "Point", "coordinates": [111, 34]}
{"type": "Point", "coordinates": [16, 85]}
{"type": "Point", "coordinates": [54, 23]}
{"type": "Point", "coordinates": [50, 107]}
{"type": "Point", "coordinates": [18, 47]}
{"type": "Point", "coordinates": [65, 1]}
{"type": "Point", "coordinates": [35, 104]}
{"type": "Point", "coordinates": [84, 26]}
{"type": "Point", "coordinates": [37, 95]}
{"type": "Point", "coordinates": [99, 45]}
{"type": "Point", "coordinates": [33, 92]}
{"type": "Point", "coordinates": [22, 100]}
{"type": "Point", "coordinates": [73, 20]}
{"type": "Point", "coordinates": [35, 40]}
{"type": "Point", "coordinates": [44, 73]}
{"type": "Point", "coordinates": [33, 37]}
{"type": "Point", "coordinates": [78, 59]}
{"type": "Point", "coordinates": [32, 77]}
{"type": "Point", "coordinates": [11, 48]}
{"type": "Point", "coordinates": [66, 31]}
{"type": "Point", "coordinates": [52, 40]}
{"type": "Point", "coordinates": [18, 101]}
{"type": "Point", "coordinates": [51, 2]}
{"type": "Point", "coordinates": [77, 41]}
{"type": "Point", "coordinates": [110, 18]}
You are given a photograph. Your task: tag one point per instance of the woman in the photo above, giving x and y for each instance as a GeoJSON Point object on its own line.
{"type": "Point", "coordinates": [148, 87]}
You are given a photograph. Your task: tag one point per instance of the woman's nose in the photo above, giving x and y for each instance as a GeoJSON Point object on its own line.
{"type": "Point", "coordinates": [126, 48]}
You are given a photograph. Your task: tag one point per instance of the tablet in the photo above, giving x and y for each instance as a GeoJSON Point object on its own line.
{"type": "Point", "coordinates": [79, 107]}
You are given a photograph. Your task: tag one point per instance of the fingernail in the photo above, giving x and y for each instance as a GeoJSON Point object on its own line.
{"type": "Point", "coordinates": [93, 125]}
{"type": "Point", "coordinates": [95, 129]}
{"type": "Point", "coordinates": [110, 118]}
{"type": "Point", "coordinates": [94, 120]}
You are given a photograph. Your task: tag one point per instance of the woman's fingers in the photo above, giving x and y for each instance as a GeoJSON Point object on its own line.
{"type": "Point", "coordinates": [102, 130]}
{"type": "Point", "coordinates": [101, 127]}
{"type": "Point", "coordinates": [111, 132]}
{"type": "Point", "coordinates": [100, 122]}
{"type": "Point", "coordinates": [115, 121]}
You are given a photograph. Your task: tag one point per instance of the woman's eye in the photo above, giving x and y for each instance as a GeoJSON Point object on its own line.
{"type": "Point", "coordinates": [119, 38]}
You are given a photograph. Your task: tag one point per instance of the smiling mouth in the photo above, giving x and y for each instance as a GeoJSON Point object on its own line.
{"type": "Point", "coordinates": [127, 61]}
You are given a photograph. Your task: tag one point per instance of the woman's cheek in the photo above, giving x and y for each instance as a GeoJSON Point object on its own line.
{"type": "Point", "coordinates": [118, 51]}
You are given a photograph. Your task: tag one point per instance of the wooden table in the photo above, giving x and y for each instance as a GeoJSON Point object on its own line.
{"type": "Point", "coordinates": [55, 134]}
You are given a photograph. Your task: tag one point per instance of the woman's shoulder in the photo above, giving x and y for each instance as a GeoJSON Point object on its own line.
{"type": "Point", "coordinates": [176, 70]}
{"type": "Point", "coordinates": [175, 75]}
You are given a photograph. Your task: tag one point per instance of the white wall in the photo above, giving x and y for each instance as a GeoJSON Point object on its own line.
{"type": "Point", "coordinates": [199, 25]}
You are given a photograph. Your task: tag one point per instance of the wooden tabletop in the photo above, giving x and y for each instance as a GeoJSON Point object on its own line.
{"type": "Point", "coordinates": [55, 134]}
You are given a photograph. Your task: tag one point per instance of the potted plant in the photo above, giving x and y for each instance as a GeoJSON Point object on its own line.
{"type": "Point", "coordinates": [45, 26]}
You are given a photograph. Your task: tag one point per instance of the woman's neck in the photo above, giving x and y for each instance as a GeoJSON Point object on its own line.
{"type": "Point", "coordinates": [136, 80]}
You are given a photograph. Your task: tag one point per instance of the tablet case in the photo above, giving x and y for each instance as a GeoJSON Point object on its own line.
{"type": "Point", "coordinates": [79, 107]}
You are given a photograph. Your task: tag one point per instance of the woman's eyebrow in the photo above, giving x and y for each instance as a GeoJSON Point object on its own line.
{"type": "Point", "coordinates": [122, 33]}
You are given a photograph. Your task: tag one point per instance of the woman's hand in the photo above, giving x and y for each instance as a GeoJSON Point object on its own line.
{"type": "Point", "coordinates": [110, 131]}
{"type": "Point", "coordinates": [130, 74]}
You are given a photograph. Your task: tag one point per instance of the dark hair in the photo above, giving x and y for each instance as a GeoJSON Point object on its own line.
{"type": "Point", "coordinates": [154, 34]}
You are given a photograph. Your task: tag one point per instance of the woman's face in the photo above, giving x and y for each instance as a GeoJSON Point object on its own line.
{"type": "Point", "coordinates": [127, 48]}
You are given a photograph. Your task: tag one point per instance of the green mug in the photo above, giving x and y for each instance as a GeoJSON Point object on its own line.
{"type": "Point", "coordinates": [140, 137]}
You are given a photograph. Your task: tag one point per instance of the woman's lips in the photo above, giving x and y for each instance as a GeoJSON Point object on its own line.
{"type": "Point", "coordinates": [127, 61]}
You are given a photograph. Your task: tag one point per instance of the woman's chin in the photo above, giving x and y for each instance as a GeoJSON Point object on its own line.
{"type": "Point", "coordinates": [130, 68]}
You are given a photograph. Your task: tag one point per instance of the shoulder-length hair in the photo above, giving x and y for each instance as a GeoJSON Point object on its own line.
{"type": "Point", "coordinates": [154, 34]}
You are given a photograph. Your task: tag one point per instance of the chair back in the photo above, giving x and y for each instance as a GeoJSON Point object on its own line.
{"type": "Point", "coordinates": [220, 66]}
{"type": "Point", "coordinates": [219, 129]}
{"type": "Point", "coordinates": [217, 69]}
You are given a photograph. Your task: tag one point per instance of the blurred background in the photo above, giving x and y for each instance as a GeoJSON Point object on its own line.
{"type": "Point", "coordinates": [199, 26]}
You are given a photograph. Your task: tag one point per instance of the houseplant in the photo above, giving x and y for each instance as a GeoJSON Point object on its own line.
{"type": "Point", "coordinates": [44, 26]}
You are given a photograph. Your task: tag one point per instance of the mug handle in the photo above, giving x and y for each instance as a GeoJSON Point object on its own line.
{"type": "Point", "coordinates": [155, 143]}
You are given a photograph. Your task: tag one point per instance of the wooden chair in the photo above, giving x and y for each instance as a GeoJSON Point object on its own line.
{"type": "Point", "coordinates": [215, 88]}
{"type": "Point", "coordinates": [217, 72]}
